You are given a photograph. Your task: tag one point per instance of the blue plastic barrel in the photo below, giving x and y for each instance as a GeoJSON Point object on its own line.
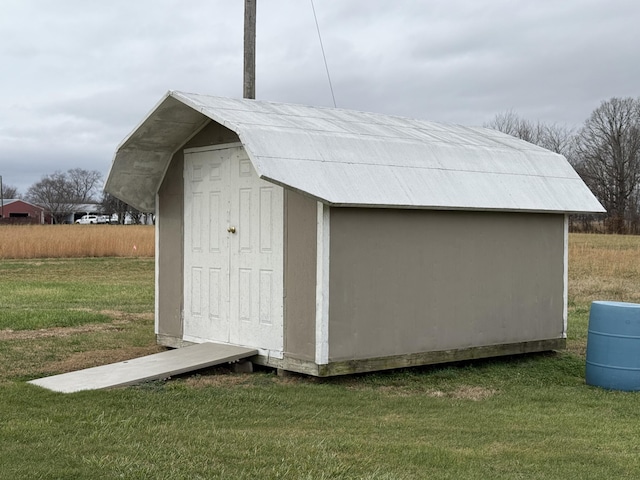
{"type": "Point", "coordinates": [613, 346]}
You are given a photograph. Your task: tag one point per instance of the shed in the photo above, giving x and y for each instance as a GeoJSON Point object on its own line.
{"type": "Point", "coordinates": [17, 211]}
{"type": "Point", "coordinates": [336, 241]}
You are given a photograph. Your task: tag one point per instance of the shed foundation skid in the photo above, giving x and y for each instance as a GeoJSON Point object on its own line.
{"type": "Point", "coordinates": [347, 367]}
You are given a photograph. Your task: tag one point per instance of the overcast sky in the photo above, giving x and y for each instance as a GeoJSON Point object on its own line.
{"type": "Point", "coordinates": [76, 76]}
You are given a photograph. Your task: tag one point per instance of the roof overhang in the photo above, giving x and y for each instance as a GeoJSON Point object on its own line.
{"type": "Point", "coordinates": [142, 158]}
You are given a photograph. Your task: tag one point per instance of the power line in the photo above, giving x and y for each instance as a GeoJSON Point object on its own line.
{"type": "Point", "coordinates": [323, 55]}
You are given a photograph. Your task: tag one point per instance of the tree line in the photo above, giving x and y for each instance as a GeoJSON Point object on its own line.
{"type": "Point", "coordinates": [605, 151]}
{"type": "Point", "coordinates": [60, 194]}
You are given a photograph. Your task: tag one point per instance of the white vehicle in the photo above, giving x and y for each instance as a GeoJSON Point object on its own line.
{"type": "Point", "coordinates": [92, 219]}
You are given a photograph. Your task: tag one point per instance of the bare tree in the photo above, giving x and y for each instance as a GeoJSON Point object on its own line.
{"type": "Point", "coordinates": [554, 137]}
{"type": "Point", "coordinates": [559, 139]}
{"type": "Point", "coordinates": [113, 205]}
{"type": "Point", "coordinates": [53, 194]}
{"type": "Point", "coordinates": [512, 124]}
{"type": "Point", "coordinates": [9, 192]}
{"type": "Point", "coordinates": [59, 192]}
{"type": "Point", "coordinates": [84, 184]}
{"type": "Point", "coordinates": [608, 148]}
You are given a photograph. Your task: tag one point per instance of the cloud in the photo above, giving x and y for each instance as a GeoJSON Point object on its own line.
{"type": "Point", "coordinates": [78, 76]}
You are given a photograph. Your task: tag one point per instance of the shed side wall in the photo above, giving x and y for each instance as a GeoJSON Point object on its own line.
{"type": "Point", "coordinates": [300, 276]}
{"type": "Point", "coordinates": [170, 255]}
{"type": "Point", "coordinates": [407, 281]}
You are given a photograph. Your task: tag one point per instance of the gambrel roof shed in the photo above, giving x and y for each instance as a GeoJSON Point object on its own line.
{"type": "Point", "coordinates": [333, 241]}
{"type": "Point", "coordinates": [347, 158]}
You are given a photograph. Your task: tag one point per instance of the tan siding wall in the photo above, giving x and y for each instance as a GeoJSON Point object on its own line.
{"type": "Point", "coordinates": [170, 226]}
{"type": "Point", "coordinates": [407, 281]}
{"type": "Point", "coordinates": [169, 230]}
{"type": "Point", "coordinates": [300, 276]}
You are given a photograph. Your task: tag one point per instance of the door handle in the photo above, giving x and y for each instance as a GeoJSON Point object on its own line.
{"type": "Point", "coordinates": [231, 229]}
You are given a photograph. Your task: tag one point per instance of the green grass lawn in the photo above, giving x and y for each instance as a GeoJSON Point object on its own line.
{"type": "Point", "coordinates": [59, 293]}
{"type": "Point", "coordinates": [519, 417]}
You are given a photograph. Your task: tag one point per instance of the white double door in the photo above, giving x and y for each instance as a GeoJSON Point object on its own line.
{"type": "Point", "coordinates": [233, 259]}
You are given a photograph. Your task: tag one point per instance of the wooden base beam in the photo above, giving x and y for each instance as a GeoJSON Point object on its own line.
{"type": "Point", "coordinates": [347, 367]}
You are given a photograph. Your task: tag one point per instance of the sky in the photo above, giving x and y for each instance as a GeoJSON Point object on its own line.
{"type": "Point", "coordinates": [77, 76]}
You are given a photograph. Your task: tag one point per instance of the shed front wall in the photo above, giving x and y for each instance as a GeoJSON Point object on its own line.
{"type": "Point", "coordinates": [409, 281]}
{"type": "Point", "coordinates": [169, 251]}
{"type": "Point", "coordinates": [169, 231]}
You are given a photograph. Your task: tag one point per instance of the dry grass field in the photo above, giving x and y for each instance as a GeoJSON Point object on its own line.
{"type": "Point", "coordinates": [73, 241]}
{"type": "Point", "coordinates": [601, 267]}
{"type": "Point", "coordinates": [604, 266]}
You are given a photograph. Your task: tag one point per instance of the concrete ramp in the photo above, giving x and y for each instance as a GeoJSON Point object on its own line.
{"type": "Point", "coordinates": [143, 369]}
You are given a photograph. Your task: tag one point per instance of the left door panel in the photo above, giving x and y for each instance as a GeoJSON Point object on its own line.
{"type": "Point", "coordinates": [206, 259]}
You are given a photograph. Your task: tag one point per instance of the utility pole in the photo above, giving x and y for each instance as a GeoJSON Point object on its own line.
{"type": "Point", "coordinates": [249, 79]}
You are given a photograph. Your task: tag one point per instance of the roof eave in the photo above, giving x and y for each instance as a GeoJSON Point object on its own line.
{"type": "Point", "coordinates": [142, 158]}
{"type": "Point", "coordinates": [464, 208]}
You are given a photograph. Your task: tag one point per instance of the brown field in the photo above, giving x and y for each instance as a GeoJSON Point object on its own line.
{"type": "Point", "coordinates": [604, 267]}
{"type": "Point", "coordinates": [71, 241]}
{"type": "Point", "coordinates": [601, 267]}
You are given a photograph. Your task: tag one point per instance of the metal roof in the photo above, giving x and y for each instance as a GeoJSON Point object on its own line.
{"type": "Point", "coordinates": [9, 201]}
{"type": "Point", "coordinates": [348, 158]}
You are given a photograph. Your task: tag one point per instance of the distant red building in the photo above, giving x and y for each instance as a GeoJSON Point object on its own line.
{"type": "Point", "coordinates": [14, 211]}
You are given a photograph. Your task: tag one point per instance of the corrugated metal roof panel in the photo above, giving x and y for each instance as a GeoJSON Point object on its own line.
{"type": "Point", "coordinates": [351, 158]}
